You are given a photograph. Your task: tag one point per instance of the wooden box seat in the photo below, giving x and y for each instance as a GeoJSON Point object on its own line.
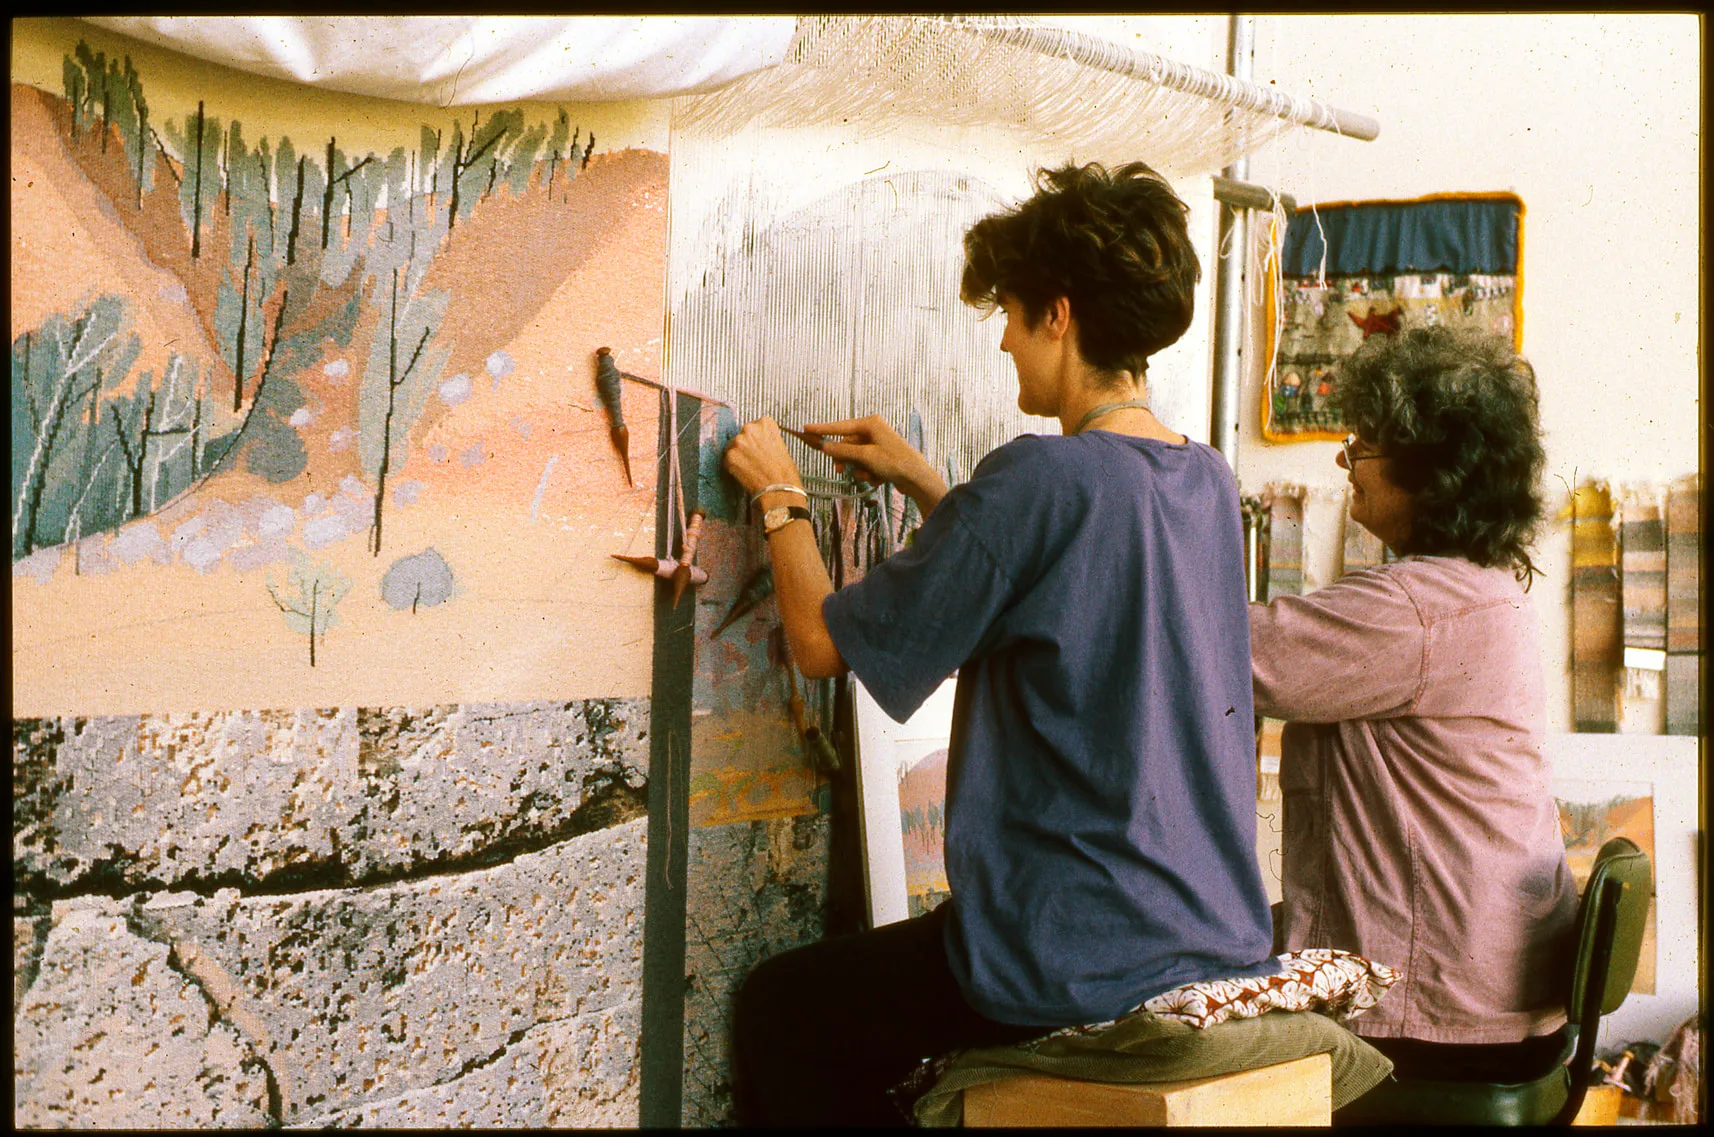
{"type": "Point", "coordinates": [1298, 1092]}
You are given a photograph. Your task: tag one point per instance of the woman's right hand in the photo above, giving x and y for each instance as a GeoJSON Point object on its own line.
{"type": "Point", "coordinates": [873, 450]}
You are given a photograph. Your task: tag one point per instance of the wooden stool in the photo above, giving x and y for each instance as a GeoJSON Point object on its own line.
{"type": "Point", "coordinates": [1299, 1092]}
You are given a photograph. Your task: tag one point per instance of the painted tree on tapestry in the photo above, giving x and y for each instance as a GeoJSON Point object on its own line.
{"type": "Point", "coordinates": [310, 604]}
{"type": "Point", "coordinates": [286, 253]}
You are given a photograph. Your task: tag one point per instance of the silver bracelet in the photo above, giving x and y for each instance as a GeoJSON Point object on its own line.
{"type": "Point", "coordinates": [778, 487]}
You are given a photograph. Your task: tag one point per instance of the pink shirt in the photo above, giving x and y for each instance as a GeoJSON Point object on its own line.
{"type": "Point", "coordinates": [1420, 830]}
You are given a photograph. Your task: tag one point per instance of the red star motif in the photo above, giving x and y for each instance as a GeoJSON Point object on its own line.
{"type": "Point", "coordinates": [1386, 323]}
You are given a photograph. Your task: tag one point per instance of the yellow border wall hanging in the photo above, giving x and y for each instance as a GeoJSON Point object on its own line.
{"type": "Point", "coordinates": [1349, 270]}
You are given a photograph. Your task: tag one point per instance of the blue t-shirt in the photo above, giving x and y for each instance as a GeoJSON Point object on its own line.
{"type": "Point", "coordinates": [1100, 815]}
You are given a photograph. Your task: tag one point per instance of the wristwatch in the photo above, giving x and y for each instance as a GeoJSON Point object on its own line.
{"type": "Point", "coordinates": [780, 516]}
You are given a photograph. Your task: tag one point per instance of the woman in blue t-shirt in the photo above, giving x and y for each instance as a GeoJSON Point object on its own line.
{"type": "Point", "coordinates": [1088, 588]}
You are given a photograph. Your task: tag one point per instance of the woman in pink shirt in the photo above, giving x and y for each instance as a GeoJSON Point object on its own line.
{"type": "Point", "coordinates": [1420, 830]}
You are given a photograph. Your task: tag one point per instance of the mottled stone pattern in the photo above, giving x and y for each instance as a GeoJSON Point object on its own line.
{"type": "Point", "coordinates": [754, 888]}
{"type": "Point", "coordinates": [314, 797]}
{"type": "Point", "coordinates": [330, 918]}
{"type": "Point", "coordinates": [111, 1032]}
{"type": "Point", "coordinates": [582, 1072]}
{"type": "Point", "coordinates": [29, 933]}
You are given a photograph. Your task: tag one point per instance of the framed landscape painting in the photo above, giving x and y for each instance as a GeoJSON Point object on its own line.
{"type": "Point", "coordinates": [901, 777]}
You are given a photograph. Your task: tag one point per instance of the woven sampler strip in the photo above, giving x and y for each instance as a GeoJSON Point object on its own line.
{"type": "Point", "coordinates": [1683, 606]}
{"type": "Point", "coordinates": [1642, 562]}
{"type": "Point", "coordinates": [1285, 541]}
{"type": "Point", "coordinates": [1595, 611]}
{"type": "Point", "coordinates": [1362, 548]}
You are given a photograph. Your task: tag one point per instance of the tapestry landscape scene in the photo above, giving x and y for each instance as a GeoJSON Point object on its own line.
{"type": "Point", "coordinates": [292, 426]}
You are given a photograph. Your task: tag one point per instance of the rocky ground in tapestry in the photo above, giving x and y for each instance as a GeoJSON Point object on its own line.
{"type": "Point", "coordinates": [341, 917]}
{"type": "Point", "coordinates": [755, 888]}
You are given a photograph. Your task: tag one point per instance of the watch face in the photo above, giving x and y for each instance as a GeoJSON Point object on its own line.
{"type": "Point", "coordinates": [781, 515]}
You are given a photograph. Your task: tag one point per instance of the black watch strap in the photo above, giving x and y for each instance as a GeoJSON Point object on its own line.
{"type": "Point", "coordinates": [772, 522]}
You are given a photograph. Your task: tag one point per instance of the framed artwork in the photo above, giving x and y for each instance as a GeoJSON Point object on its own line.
{"type": "Point", "coordinates": [1592, 812]}
{"type": "Point", "coordinates": [901, 782]}
{"type": "Point", "coordinates": [1647, 788]}
{"type": "Point", "coordinates": [1351, 270]}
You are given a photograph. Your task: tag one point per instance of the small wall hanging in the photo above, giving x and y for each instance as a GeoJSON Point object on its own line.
{"type": "Point", "coordinates": [1355, 269]}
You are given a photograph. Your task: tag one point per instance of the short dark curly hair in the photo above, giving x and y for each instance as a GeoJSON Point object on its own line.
{"type": "Point", "coordinates": [1113, 243]}
{"type": "Point", "coordinates": [1456, 411]}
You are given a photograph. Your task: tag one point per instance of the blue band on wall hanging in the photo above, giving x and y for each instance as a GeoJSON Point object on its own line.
{"type": "Point", "coordinates": [1456, 235]}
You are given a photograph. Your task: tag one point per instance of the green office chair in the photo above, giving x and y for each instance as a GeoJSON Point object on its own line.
{"type": "Point", "coordinates": [1609, 940]}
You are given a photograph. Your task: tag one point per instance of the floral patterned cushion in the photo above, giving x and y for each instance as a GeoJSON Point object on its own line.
{"type": "Point", "coordinates": [1332, 982]}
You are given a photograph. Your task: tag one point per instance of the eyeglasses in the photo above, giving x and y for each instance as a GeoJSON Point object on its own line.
{"type": "Point", "coordinates": [1352, 459]}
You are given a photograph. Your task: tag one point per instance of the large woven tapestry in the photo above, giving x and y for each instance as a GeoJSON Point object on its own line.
{"type": "Point", "coordinates": [305, 406]}
{"type": "Point", "coordinates": [1350, 271]}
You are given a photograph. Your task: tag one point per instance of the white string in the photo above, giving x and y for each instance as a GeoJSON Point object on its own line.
{"type": "Point", "coordinates": [841, 490]}
{"type": "Point", "coordinates": [1321, 268]}
{"type": "Point", "coordinates": [1272, 271]}
{"type": "Point", "coordinates": [675, 483]}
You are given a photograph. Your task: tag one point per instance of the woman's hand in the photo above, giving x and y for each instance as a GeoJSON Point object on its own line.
{"type": "Point", "coordinates": [873, 450]}
{"type": "Point", "coordinates": [757, 457]}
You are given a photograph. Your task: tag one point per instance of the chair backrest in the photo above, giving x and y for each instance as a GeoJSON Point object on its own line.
{"type": "Point", "coordinates": [1622, 870]}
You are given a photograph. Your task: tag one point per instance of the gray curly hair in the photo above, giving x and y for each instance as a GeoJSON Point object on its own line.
{"type": "Point", "coordinates": [1456, 410]}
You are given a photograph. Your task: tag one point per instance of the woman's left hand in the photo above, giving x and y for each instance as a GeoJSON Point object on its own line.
{"type": "Point", "coordinates": [757, 457]}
